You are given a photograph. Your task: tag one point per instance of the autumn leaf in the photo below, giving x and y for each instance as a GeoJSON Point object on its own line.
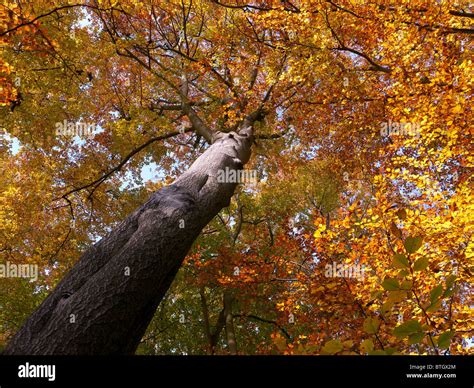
{"type": "Point", "coordinates": [444, 339]}
{"type": "Point", "coordinates": [415, 338]}
{"type": "Point", "coordinates": [402, 214]}
{"type": "Point", "coordinates": [412, 244]}
{"type": "Point", "coordinates": [421, 264]}
{"type": "Point", "coordinates": [371, 325]}
{"type": "Point", "coordinates": [436, 293]}
{"type": "Point", "coordinates": [390, 284]}
{"type": "Point", "coordinates": [367, 345]}
{"type": "Point", "coordinates": [400, 261]}
{"type": "Point", "coordinates": [396, 232]}
{"type": "Point", "coordinates": [361, 124]}
{"type": "Point", "coordinates": [407, 328]}
{"type": "Point", "coordinates": [332, 347]}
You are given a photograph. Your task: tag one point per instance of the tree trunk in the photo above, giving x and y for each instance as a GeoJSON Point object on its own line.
{"type": "Point", "coordinates": [105, 303]}
{"type": "Point", "coordinates": [229, 322]}
{"type": "Point", "coordinates": [212, 337]}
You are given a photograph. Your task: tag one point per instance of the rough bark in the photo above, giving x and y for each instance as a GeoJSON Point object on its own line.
{"type": "Point", "coordinates": [112, 310]}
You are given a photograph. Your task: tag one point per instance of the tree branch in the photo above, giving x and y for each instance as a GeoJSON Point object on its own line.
{"type": "Point", "coordinates": [96, 183]}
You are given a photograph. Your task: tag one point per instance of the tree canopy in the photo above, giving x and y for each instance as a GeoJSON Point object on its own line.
{"type": "Point", "coordinates": [362, 159]}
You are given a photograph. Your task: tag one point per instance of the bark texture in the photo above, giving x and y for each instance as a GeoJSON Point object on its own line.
{"type": "Point", "coordinates": [98, 308]}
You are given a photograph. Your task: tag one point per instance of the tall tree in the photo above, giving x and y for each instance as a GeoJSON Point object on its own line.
{"type": "Point", "coordinates": [355, 112]}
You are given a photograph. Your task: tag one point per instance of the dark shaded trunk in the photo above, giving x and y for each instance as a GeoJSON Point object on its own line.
{"type": "Point", "coordinates": [212, 337]}
{"type": "Point", "coordinates": [207, 324]}
{"type": "Point", "coordinates": [98, 308]}
{"type": "Point", "coordinates": [229, 322]}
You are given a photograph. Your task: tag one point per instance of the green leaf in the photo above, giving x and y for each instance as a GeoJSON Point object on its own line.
{"type": "Point", "coordinates": [371, 325]}
{"type": "Point", "coordinates": [444, 340]}
{"type": "Point", "coordinates": [390, 284]}
{"type": "Point", "coordinates": [436, 293]}
{"type": "Point", "coordinates": [450, 281]}
{"type": "Point", "coordinates": [421, 264]}
{"type": "Point", "coordinates": [400, 261]}
{"type": "Point", "coordinates": [377, 353]}
{"type": "Point", "coordinates": [386, 307]}
{"type": "Point", "coordinates": [449, 286]}
{"type": "Point", "coordinates": [397, 296]}
{"type": "Point", "coordinates": [403, 273]}
{"type": "Point", "coordinates": [332, 347]}
{"type": "Point", "coordinates": [348, 344]}
{"type": "Point", "coordinates": [407, 328]}
{"type": "Point", "coordinates": [412, 244]}
{"type": "Point", "coordinates": [367, 345]}
{"type": "Point", "coordinates": [415, 338]}
{"type": "Point", "coordinates": [434, 306]}
{"type": "Point", "coordinates": [376, 294]}
{"type": "Point", "coordinates": [406, 285]}
{"type": "Point", "coordinates": [448, 292]}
